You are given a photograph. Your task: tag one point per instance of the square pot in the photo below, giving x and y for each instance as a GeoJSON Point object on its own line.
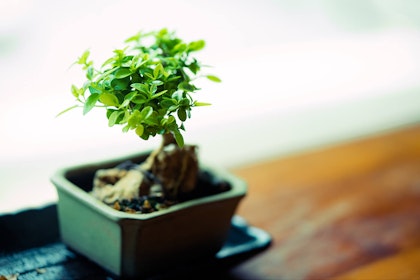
{"type": "Point", "coordinates": [135, 245]}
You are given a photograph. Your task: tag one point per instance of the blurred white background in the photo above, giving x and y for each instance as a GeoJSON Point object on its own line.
{"type": "Point", "coordinates": [296, 75]}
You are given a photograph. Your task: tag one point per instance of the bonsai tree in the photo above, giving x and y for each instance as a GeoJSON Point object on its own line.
{"type": "Point", "coordinates": [146, 87]}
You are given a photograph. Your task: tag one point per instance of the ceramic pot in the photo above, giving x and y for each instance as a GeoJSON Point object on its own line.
{"type": "Point", "coordinates": [135, 245]}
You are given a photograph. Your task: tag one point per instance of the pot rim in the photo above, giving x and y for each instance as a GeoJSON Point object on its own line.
{"type": "Point", "coordinates": [59, 179]}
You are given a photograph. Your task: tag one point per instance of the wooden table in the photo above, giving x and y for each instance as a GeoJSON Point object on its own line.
{"type": "Point", "coordinates": [347, 212]}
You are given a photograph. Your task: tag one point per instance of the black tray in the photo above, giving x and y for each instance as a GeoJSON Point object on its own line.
{"type": "Point", "coordinates": [30, 246]}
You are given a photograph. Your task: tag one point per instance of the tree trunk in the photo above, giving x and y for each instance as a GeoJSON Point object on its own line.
{"type": "Point", "coordinates": [174, 172]}
{"type": "Point", "coordinates": [173, 167]}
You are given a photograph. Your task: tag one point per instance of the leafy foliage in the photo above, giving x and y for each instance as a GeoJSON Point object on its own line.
{"type": "Point", "coordinates": [146, 86]}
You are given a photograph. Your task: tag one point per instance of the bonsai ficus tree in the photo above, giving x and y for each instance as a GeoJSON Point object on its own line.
{"type": "Point", "coordinates": [147, 87]}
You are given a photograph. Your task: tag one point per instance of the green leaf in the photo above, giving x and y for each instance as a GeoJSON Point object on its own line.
{"type": "Point", "coordinates": [159, 94]}
{"type": "Point", "coordinates": [75, 91]}
{"type": "Point", "coordinates": [171, 119]}
{"type": "Point", "coordinates": [173, 108]}
{"type": "Point", "coordinates": [141, 62]}
{"type": "Point", "coordinates": [144, 59]}
{"type": "Point", "coordinates": [196, 45]}
{"type": "Point", "coordinates": [89, 73]}
{"type": "Point", "coordinates": [126, 128]}
{"type": "Point", "coordinates": [166, 103]}
{"type": "Point", "coordinates": [109, 99]}
{"type": "Point", "coordinates": [139, 99]}
{"type": "Point", "coordinates": [177, 95]}
{"type": "Point", "coordinates": [173, 78]}
{"type": "Point", "coordinates": [134, 38]}
{"type": "Point", "coordinates": [108, 61]}
{"type": "Point", "coordinates": [83, 58]}
{"type": "Point", "coordinates": [197, 104]}
{"type": "Point", "coordinates": [90, 103]}
{"type": "Point", "coordinates": [141, 87]}
{"type": "Point", "coordinates": [134, 119]}
{"type": "Point", "coordinates": [214, 78]}
{"type": "Point", "coordinates": [112, 120]}
{"type": "Point", "coordinates": [130, 96]}
{"type": "Point", "coordinates": [145, 136]}
{"type": "Point", "coordinates": [194, 67]}
{"type": "Point", "coordinates": [119, 54]}
{"type": "Point", "coordinates": [153, 119]}
{"type": "Point", "coordinates": [94, 89]}
{"type": "Point", "coordinates": [139, 130]}
{"type": "Point", "coordinates": [178, 138]}
{"type": "Point", "coordinates": [120, 84]}
{"type": "Point", "coordinates": [146, 112]}
{"type": "Point", "coordinates": [157, 71]}
{"type": "Point", "coordinates": [122, 73]}
{"type": "Point", "coordinates": [66, 110]}
{"type": "Point", "coordinates": [184, 102]}
{"type": "Point", "coordinates": [152, 89]}
{"type": "Point", "coordinates": [157, 82]}
{"type": "Point", "coordinates": [148, 74]}
{"type": "Point", "coordinates": [186, 87]}
{"type": "Point", "coordinates": [180, 47]}
{"type": "Point", "coordinates": [182, 114]}
{"type": "Point", "coordinates": [125, 103]}
{"type": "Point", "coordinates": [162, 32]}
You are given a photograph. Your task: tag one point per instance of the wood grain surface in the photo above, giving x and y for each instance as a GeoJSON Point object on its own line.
{"type": "Point", "coordinates": [350, 211]}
